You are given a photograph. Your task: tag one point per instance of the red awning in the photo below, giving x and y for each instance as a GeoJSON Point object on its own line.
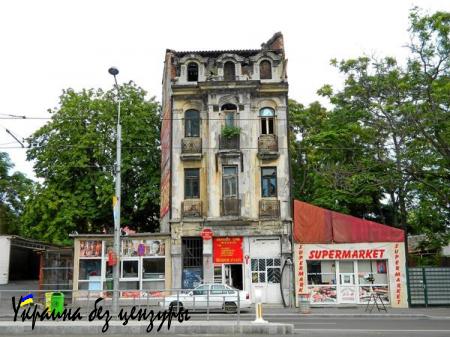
{"type": "Point", "coordinates": [314, 224]}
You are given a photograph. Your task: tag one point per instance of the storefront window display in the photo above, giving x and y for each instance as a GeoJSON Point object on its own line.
{"type": "Point", "coordinates": [322, 281]}
{"type": "Point", "coordinates": [90, 265]}
{"type": "Point", "coordinates": [331, 281]}
{"type": "Point", "coordinates": [142, 266]}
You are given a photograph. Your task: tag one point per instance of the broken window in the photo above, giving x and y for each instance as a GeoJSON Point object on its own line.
{"type": "Point", "coordinates": [267, 121]}
{"type": "Point", "coordinates": [229, 71]}
{"type": "Point", "coordinates": [192, 72]}
{"type": "Point", "coordinates": [265, 70]}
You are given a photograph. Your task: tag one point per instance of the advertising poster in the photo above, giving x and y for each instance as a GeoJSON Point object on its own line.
{"type": "Point", "coordinates": [323, 294]}
{"type": "Point", "coordinates": [347, 294]}
{"type": "Point", "coordinates": [192, 277]}
{"type": "Point", "coordinates": [227, 250]}
{"type": "Point", "coordinates": [154, 248]}
{"type": "Point", "coordinates": [90, 248]}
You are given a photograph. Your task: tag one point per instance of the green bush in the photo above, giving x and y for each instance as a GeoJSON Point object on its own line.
{"type": "Point", "coordinates": [230, 131]}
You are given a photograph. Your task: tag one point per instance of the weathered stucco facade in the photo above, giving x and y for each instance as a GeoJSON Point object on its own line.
{"type": "Point", "coordinates": [214, 181]}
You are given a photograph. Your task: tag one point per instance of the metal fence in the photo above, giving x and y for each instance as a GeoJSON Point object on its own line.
{"type": "Point", "coordinates": [206, 301]}
{"type": "Point", "coordinates": [429, 286]}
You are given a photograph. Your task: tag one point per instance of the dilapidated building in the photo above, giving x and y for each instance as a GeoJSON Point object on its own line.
{"type": "Point", "coordinates": [225, 185]}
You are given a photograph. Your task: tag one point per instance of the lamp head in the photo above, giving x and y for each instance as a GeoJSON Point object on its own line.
{"type": "Point", "coordinates": [113, 71]}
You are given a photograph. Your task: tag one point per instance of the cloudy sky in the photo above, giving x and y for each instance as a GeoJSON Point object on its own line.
{"type": "Point", "coordinates": [47, 46]}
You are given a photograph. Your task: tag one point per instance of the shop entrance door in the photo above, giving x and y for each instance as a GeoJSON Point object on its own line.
{"type": "Point", "coordinates": [346, 279]}
{"type": "Point", "coordinates": [232, 274]}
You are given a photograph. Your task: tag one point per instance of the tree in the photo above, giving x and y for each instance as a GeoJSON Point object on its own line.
{"type": "Point", "coordinates": [75, 154]}
{"type": "Point", "coordinates": [383, 150]}
{"type": "Point", "coordinates": [333, 165]}
{"type": "Point", "coordinates": [14, 190]}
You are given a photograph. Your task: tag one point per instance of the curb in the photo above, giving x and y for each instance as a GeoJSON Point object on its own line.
{"type": "Point", "coordinates": [191, 328]}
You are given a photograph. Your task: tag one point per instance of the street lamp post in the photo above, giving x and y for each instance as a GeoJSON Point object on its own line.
{"type": "Point", "coordinates": [116, 201]}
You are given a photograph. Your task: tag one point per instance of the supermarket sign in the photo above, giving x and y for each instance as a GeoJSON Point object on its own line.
{"type": "Point", "coordinates": [346, 254]}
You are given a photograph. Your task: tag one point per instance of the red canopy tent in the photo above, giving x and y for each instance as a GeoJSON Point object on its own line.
{"type": "Point", "coordinates": [314, 224]}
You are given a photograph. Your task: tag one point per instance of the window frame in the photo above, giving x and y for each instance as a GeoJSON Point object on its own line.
{"type": "Point", "coordinates": [189, 123]}
{"type": "Point", "coordinates": [188, 70]}
{"type": "Point", "coordinates": [225, 74]}
{"type": "Point", "coordinates": [265, 121]}
{"type": "Point", "coordinates": [228, 176]}
{"type": "Point", "coordinates": [269, 177]}
{"type": "Point", "coordinates": [270, 68]}
{"type": "Point", "coordinates": [190, 181]}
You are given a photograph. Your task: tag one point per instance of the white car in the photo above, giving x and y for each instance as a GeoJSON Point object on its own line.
{"type": "Point", "coordinates": [221, 296]}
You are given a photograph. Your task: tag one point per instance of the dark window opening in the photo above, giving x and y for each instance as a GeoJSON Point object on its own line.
{"type": "Point", "coordinates": [192, 256]}
{"type": "Point", "coordinates": [229, 71]}
{"type": "Point", "coordinates": [229, 114]}
{"type": "Point", "coordinates": [267, 121]}
{"type": "Point", "coordinates": [265, 70]}
{"type": "Point", "coordinates": [192, 72]}
{"type": "Point", "coordinates": [269, 182]}
{"type": "Point", "coordinates": [192, 124]}
{"type": "Point", "coordinates": [192, 183]}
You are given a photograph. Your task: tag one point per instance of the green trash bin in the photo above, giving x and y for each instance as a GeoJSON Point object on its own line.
{"type": "Point", "coordinates": [57, 303]}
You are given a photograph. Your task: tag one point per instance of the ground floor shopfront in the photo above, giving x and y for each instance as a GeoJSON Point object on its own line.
{"type": "Point", "coordinates": [144, 265]}
{"type": "Point", "coordinates": [249, 263]}
{"type": "Point", "coordinates": [341, 259]}
{"type": "Point", "coordinates": [349, 273]}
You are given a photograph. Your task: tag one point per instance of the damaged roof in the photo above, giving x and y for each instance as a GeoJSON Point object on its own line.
{"type": "Point", "coordinates": [267, 46]}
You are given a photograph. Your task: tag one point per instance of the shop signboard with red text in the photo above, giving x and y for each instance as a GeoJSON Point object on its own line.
{"type": "Point", "coordinates": [325, 282]}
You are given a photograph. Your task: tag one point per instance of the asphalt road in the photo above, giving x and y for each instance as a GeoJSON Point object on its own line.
{"type": "Point", "coordinates": [353, 326]}
{"type": "Point", "coordinates": [342, 326]}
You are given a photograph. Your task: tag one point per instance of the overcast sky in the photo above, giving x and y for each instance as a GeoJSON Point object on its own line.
{"type": "Point", "coordinates": [46, 46]}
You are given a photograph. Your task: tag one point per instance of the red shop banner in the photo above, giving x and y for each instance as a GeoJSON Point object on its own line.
{"type": "Point", "coordinates": [227, 250]}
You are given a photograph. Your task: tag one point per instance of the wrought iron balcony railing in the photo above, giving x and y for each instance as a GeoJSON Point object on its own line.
{"type": "Point", "coordinates": [230, 206]}
{"type": "Point", "coordinates": [268, 146]}
{"type": "Point", "coordinates": [229, 143]}
{"type": "Point", "coordinates": [191, 208]}
{"type": "Point", "coordinates": [190, 145]}
{"type": "Point", "coordinates": [269, 208]}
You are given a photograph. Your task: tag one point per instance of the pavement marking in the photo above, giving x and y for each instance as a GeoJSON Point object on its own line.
{"type": "Point", "coordinates": [319, 323]}
{"type": "Point", "coordinates": [366, 330]}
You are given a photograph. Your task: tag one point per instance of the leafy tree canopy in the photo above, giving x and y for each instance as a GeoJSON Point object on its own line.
{"type": "Point", "coordinates": [383, 150]}
{"type": "Point", "coordinates": [14, 191]}
{"type": "Point", "coordinates": [74, 155]}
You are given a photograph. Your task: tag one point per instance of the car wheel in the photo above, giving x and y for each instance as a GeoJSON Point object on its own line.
{"type": "Point", "coordinates": [230, 307]}
{"type": "Point", "coordinates": [175, 305]}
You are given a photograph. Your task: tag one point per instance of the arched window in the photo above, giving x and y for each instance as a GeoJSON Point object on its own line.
{"type": "Point", "coordinates": [192, 72]}
{"type": "Point", "coordinates": [229, 71]}
{"type": "Point", "coordinates": [230, 111]}
{"type": "Point", "coordinates": [265, 70]}
{"type": "Point", "coordinates": [192, 123]}
{"type": "Point", "coordinates": [267, 121]}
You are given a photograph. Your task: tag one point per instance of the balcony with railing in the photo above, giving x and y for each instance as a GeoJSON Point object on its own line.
{"type": "Point", "coordinates": [229, 144]}
{"type": "Point", "coordinates": [268, 147]}
{"type": "Point", "coordinates": [191, 208]}
{"type": "Point", "coordinates": [230, 207]}
{"type": "Point", "coordinates": [191, 148]}
{"type": "Point", "coordinates": [269, 208]}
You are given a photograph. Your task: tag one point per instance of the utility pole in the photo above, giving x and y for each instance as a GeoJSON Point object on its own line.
{"type": "Point", "coordinates": [116, 201]}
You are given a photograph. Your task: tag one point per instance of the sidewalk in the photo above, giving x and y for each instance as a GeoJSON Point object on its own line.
{"type": "Point", "coordinates": [359, 311]}
{"type": "Point", "coordinates": [186, 328]}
